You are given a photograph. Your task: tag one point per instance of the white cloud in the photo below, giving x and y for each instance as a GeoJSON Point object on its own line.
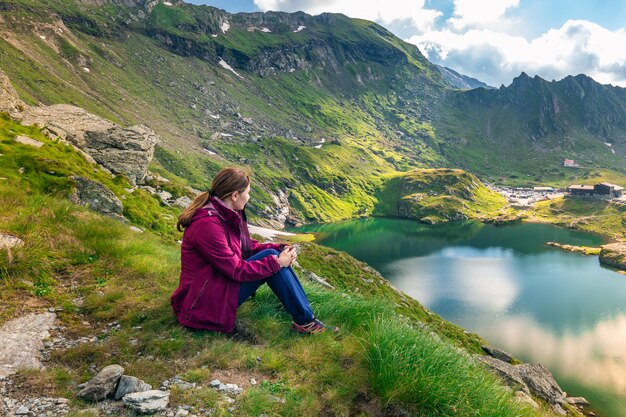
{"type": "Point", "coordinates": [577, 47]}
{"type": "Point", "coordinates": [386, 13]}
{"type": "Point", "coordinates": [480, 13]}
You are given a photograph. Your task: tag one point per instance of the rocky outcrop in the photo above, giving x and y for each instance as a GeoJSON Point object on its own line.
{"type": "Point", "coordinates": [614, 255]}
{"type": "Point", "coordinates": [529, 378]}
{"type": "Point", "coordinates": [124, 151]}
{"type": "Point", "coordinates": [585, 250]}
{"type": "Point", "coordinates": [9, 100]}
{"type": "Point", "coordinates": [97, 197]}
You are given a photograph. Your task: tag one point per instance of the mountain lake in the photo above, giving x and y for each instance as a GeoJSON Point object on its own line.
{"type": "Point", "coordinates": [540, 303]}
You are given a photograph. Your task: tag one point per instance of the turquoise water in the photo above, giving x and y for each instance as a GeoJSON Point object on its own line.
{"type": "Point", "coordinates": [540, 303]}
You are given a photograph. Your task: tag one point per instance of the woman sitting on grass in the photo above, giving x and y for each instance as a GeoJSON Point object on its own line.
{"type": "Point", "coordinates": [221, 266]}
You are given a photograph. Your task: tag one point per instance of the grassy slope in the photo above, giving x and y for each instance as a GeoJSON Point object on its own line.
{"type": "Point", "coordinates": [383, 362]}
{"type": "Point", "coordinates": [133, 79]}
{"type": "Point", "coordinates": [596, 216]}
{"type": "Point", "coordinates": [437, 195]}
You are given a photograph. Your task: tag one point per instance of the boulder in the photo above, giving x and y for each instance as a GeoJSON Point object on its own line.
{"type": "Point", "coordinates": [182, 202]}
{"type": "Point", "coordinates": [541, 383]}
{"type": "Point", "coordinates": [130, 384]}
{"type": "Point", "coordinates": [147, 402]}
{"type": "Point", "coordinates": [507, 372]}
{"type": "Point", "coordinates": [578, 401]}
{"type": "Point", "coordinates": [9, 100]}
{"type": "Point", "coordinates": [122, 150]}
{"type": "Point", "coordinates": [9, 241]}
{"type": "Point", "coordinates": [500, 354]}
{"type": "Point", "coordinates": [614, 255]}
{"type": "Point", "coordinates": [25, 140]}
{"type": "Point", "coordinates": [529, 378]}
{"type": "Point", "coordinates": [97, 197]}
{"type": "Point", "coordinates": [102, 385]}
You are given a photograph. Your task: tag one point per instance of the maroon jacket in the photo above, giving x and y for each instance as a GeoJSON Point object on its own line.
{"type": "Point", "coordinates": [213, 266]}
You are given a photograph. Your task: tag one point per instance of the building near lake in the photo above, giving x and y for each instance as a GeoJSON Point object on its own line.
{"type": "Point", "coordinates": [608, 189]}
{"type": "Point", "coordinates": [602, 190]}
{"type": "Point", "coordinates": [581, 190]}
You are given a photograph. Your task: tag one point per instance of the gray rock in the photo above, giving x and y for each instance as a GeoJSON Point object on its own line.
{"type": "Point", "coordinates": [164, 196]}
{"type": "Point", "coordinates": [25, 140]}
{"type": "Point", "coordinates": [533, 379]}
{"type": "Point", "coordinates": [507, 372]}
{"type": "Point", "coordinates": [130, 384]}
{"type": "Point", "coordinates": [22, 342]}
{"type": "Point", "coordinates": [311, 276]}
{"type": "Point", "coordinates": [121, 150]}
{"type": "Point", "coordinates": [579, 401]}
{"type": "Point", "coordinates": [541, 383]}
{"type": "Point", "coordinates": [182, 202]}
{"type": "Point", "coordinates": [9, 241]}
{"type": "Point", "coordinates": [103, 384]}
{"type": "Point", "coordinates": [22, 410]}
{"type": "Point", "coordinates": [97, 197]}
{"type": "Point", "coordinates": [147, 402]}
{"type": "Point", "coordinates": [500, 354]}
{"type": "Point", "coordinates": [9, 100]}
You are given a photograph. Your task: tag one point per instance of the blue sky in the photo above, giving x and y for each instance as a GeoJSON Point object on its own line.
{"type": "Point", "coordinates": [492, 40]}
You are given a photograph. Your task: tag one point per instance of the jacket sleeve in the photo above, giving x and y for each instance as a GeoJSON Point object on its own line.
{"type": "Point", "coordinates": [210, 240]}
{"type": "Point", "coordinates": [258, 247]}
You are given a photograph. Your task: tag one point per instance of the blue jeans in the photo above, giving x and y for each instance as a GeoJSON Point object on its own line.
{"type": "Point", "coordinates": [285, 285]}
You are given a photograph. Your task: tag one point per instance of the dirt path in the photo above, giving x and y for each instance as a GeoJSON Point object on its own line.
{"type": "Point", "coordinates": [21, 341]}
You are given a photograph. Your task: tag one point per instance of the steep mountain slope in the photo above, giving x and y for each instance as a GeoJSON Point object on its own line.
{"type": "Point", "coordinates": [321, 107]}
{"type": "Point", "coordinates": [530, 126]}
{"type": "Point", "coordinates": [348, 84]}
{"type": "Point", "coordinates": [460, 81]}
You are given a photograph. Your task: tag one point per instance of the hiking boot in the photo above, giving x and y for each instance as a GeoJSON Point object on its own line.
{"type": "Point", "coordinates": [314, 326]}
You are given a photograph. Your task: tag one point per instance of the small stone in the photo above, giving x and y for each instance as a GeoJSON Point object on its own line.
{"type": "Point", "coordinates": [181, 412]}
{"type": "Point", "coordinates": [22, 410]}
{"type": "Point", "coordinates": [252, 381]}
{"type": "Point", "coordinates": [135, 229]}
{"type": "Point", "coordinates": [147, 402]}
{"type": "Point", "coordinates": [130, 384]}
{"type": "Point", "coordinates": [577, 401]}
{"type": "Point", "coordinates": [103, 384]}
{"type": "Point", "coordinates": [22, 170]}
{"type": "Point", "coordinates": [215, 383]}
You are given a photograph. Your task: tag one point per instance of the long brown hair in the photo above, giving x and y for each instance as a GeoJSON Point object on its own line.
{"type": "Point", "coordinates": [226, 182]}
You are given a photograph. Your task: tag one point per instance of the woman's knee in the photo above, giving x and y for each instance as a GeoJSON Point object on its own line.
{"type": "Point", "coordinates": [267, 252]}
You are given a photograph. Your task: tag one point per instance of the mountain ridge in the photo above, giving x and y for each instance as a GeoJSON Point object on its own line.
{"type": "Point", "coordinates": [217, 100]}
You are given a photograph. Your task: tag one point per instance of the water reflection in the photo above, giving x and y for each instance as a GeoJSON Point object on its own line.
{"type": "Point", "coordinates": [596, 356]}
{"type": "Point", "coordinates": [542, 304]}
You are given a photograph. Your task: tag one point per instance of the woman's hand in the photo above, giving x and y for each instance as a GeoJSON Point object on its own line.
{"type": "Point", "coordinates": [287, 256]}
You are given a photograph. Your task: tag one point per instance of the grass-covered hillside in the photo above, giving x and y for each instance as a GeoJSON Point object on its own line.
{"type": "Point", "coordinates": [392, 357]}
{"type": "Point", "coordinates": [598, 216]}
{"type": "Point", "coordinates": [438, 195]}
{"type": "Point", "coordinates": [266, 90]}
